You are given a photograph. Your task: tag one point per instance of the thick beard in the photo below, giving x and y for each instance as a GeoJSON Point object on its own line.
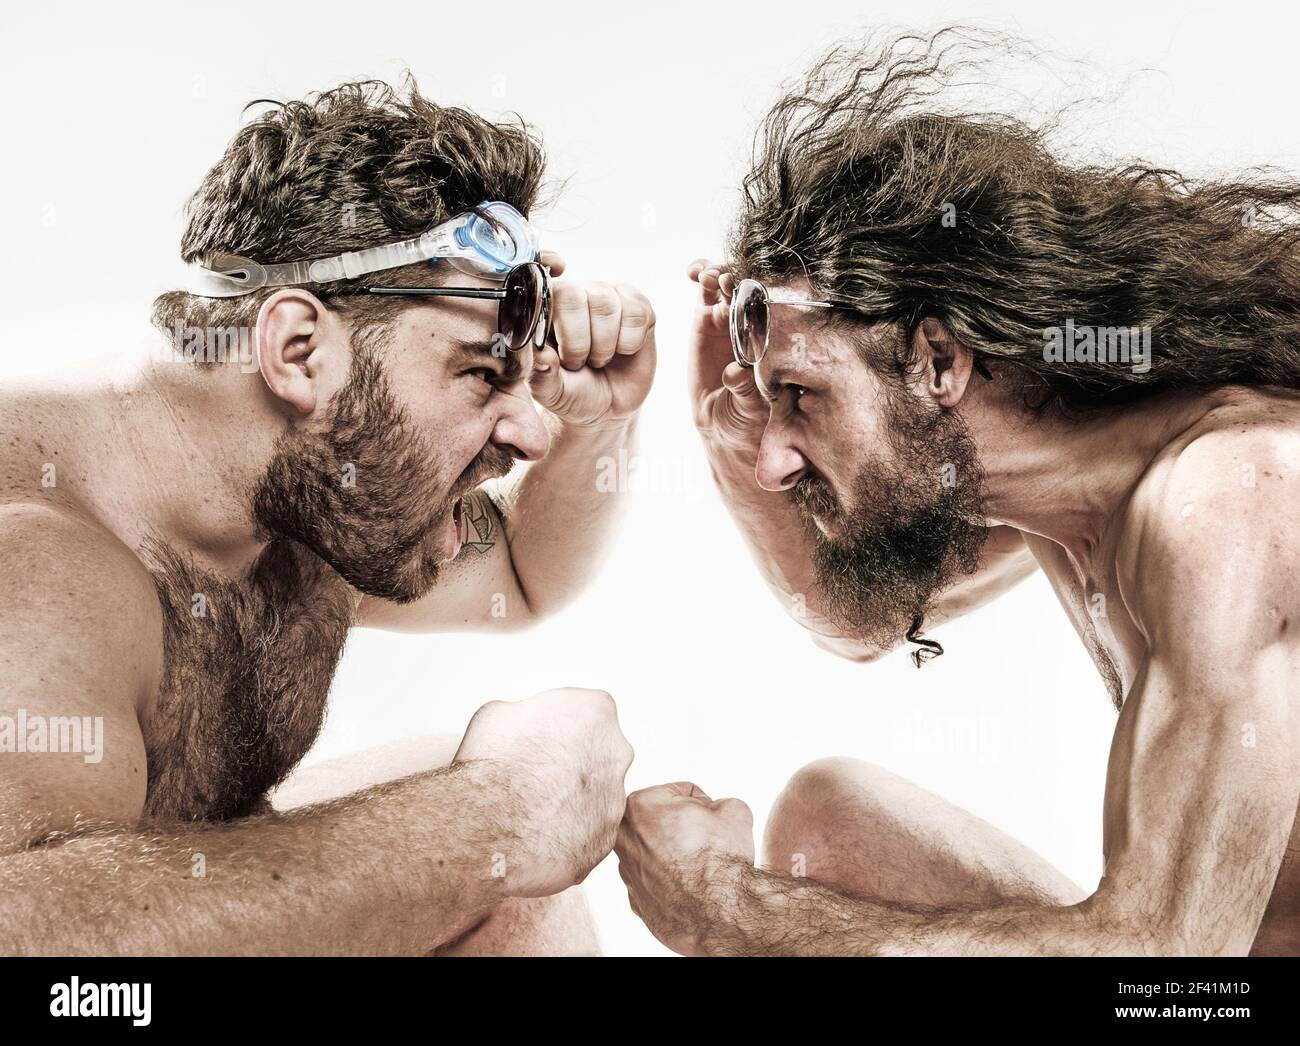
{"type": "Point", "coordinates": [359, 495]}
{"type": "Point", "coordinates": [913, 530]}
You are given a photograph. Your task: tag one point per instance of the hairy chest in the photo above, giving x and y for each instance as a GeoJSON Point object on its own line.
{"type": "Point", "coordinates": [247, 670]}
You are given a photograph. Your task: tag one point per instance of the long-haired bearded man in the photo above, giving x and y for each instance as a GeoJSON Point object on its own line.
{"type": "Point", "coordinates": [941, 358]}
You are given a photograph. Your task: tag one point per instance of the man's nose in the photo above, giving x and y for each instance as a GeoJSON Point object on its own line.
{"type": "Point", "coordinates": [520, 430]}
{"type": "Point", "coordinates": [780, 466]}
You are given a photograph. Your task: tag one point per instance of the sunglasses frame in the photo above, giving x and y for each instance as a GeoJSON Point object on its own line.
{"type": "Point", "coordinates": [541, 325]}
{"type": "Point", "coordinates": [732, 317]}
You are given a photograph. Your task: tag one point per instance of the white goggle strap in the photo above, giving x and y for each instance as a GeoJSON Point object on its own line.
{"type": "Point", "coordinates": [230, 276]}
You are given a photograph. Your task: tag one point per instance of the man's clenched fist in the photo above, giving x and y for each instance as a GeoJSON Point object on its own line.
{"type": "Point", "coordinates": [599, 359]}
{"type": "Point", "coordinates": [678, 852]}
{"type": "Point", "coordinates": [563, 759]}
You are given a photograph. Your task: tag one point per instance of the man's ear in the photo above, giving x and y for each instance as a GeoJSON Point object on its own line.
{"type": "Point", "coordinates": [292, 328]}
{"type": "Point", "coordinates": [945, 362]}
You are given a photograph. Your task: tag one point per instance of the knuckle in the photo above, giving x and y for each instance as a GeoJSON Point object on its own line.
{"type": "Point", "coordinates": [572, 300]}
{"type": "Point", "coordinates": [602, 300]}
{"type": "Point", "coordinates": [637, 317]}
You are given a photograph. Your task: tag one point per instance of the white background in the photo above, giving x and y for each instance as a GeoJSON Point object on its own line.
{"type": "Point", "coordinates": [110, 119]}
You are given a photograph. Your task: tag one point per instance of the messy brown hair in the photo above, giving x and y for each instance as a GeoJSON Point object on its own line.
{"type": "Point", "coordinates": [353, 167]}
{"type": "Point", "coordinates": [856, 165]}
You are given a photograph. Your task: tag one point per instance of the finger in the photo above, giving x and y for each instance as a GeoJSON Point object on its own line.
{"type": "Point", "coordinates": [605, 309]}
{"type": "Point", "coordinates": [553, 261]}
{"type": "Point", "coordinates": [642, 795]}
{"type": "Point", "coordinates": [736, 808]}
{"type": "Point", "coordinates": [745, 402]}
{"type": "Point", "coordinates": [571, 324]}
{"type": "Point", "coordinates": [710, 293]}
{"type": "Point", "coordinates": [696, 267]}
{"type": "Point", "coordinates": [546, 383]}
{"type": "Point", "coordinates": [637, 320]}
{"type": "Point", "coordinates": [711, 346]}
{"type": "Point", "coordinates": [688, 790]}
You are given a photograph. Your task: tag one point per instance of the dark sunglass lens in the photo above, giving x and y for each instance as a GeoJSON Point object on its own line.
{"type": "Point", "coordinates": [752, 321]}
{"type": "Point", "coordinates": [522, 305]}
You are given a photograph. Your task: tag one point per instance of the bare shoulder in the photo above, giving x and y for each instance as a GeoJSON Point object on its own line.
{"type": "Point", "coordinates": [1210, 529]}
{"type": "Point", "coordinates": [68, 583]}
{"type": "Point", "coordinates": [80, 652]}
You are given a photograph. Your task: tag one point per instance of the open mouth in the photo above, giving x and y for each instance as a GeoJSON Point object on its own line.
{"type": "Point", "coordinates": [455, 530]}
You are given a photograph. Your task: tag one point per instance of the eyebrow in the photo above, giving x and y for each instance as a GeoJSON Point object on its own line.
{"type": "Point", "coordinates": [512, 367]}
{"type": "Point", "coordinates": [778, 380]}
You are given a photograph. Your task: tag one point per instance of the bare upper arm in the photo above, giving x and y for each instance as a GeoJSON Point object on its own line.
{"type": "Point", "coordinates": [1204, 775]}
{"type": "Point", "coordinates": [80, 653]}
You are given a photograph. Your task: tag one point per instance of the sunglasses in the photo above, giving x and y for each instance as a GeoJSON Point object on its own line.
{"type": "Point", "coordinates": [750, 319]}
{"type": "Point", "coordinates": [525, 296]}
{"type": "Point", "coordinates": [750, 322]}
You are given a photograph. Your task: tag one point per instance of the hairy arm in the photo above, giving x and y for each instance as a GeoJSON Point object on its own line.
{"type": "Point", "coordinates": [1204, 774]}
{"type": "Point", "coordinates": [398, 868]}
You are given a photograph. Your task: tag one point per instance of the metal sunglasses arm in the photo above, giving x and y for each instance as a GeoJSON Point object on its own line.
{"type": "Point", "coordinates": [439, 292]}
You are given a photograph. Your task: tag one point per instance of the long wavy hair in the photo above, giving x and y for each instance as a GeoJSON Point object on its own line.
{"type": "Point", "coordinates": [856, 166]}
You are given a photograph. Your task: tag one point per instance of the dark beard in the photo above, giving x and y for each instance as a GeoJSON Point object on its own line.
{"type": "Point", "coordinates": [358, 495]}
{"type": "Point", "coordinates": [910, 533]}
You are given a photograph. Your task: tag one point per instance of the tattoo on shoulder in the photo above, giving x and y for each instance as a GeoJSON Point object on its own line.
{"type": "Point", "coordinates": [481, 514]}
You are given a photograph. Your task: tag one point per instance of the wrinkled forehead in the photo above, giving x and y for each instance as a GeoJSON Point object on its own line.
{"type": "Point", "coordinates": [800, 340]}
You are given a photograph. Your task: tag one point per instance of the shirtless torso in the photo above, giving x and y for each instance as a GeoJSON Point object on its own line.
{"type": "Point", "coordinates": [241, 663]}
{"type": "Point", "coordinates": [1164, 530]}
{"type": "Point", "coordinates": [1095, 589]}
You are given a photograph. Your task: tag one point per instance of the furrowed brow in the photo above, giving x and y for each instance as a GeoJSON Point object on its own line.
{"type": "Point", "coordinates": [478, 354]}
{"type": "Point", "coordinates": [770, 390]}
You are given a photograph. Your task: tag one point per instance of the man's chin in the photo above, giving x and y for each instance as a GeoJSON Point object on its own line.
{"type": "Point", "coordinates": [412, 582]}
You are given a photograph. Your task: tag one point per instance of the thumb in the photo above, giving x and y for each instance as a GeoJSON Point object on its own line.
{"type": "Point", "coordinates": [546, 383]}
{"type": "Point", "coordinates": [745, 403]}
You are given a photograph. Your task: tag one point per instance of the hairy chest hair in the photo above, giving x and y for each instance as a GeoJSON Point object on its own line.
{"type": "Point", "coordinates": [247, 669]}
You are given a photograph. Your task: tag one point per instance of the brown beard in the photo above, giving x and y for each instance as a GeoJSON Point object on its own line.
{"type": "Point", "coordinates": [361, 494]}
{"type": "Point", "coordinates": [913, 529]}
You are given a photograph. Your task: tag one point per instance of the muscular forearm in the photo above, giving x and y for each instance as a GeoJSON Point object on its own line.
{"type": "Point", "coordinates": [561, 515]}
{"type": "Point", "coordinates": [396, 869]}
{"type": "Point", "coordinates": [761, 913]}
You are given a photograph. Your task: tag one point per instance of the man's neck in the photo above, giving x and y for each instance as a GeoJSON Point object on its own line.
{"type": "Point", "coordinates": [190, 443]}
{"type": "Point", "coordinates": [1065, 478]}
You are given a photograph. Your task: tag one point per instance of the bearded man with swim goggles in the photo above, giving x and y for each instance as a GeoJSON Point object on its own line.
{"type": "Point", "coordinates": [209, 535]}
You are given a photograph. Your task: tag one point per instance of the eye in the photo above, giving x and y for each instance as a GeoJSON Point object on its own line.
{"type": "Point", "coordinates": [797, 392]}
{"type": "Point", "coordinates": [484, 374]}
